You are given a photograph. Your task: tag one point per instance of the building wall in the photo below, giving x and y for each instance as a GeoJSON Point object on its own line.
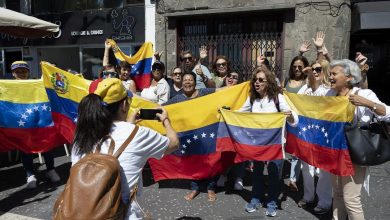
{"type": "Point", "coordinates": [301, 24]}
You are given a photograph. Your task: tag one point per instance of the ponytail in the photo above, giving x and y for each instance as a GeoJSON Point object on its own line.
{"type": "Point", "coordinates": [94, 121]}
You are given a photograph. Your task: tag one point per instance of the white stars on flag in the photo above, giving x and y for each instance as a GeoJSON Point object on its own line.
{"type": "Point", "coordinates": [191, 141]}
{"type": "Point", "coordinates": [31, 112]}
{"type": "Point", "coordinates": [321, 133]}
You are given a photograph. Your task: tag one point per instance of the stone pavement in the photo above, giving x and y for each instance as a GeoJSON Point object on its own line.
{"type": "Point", "coordinates": [165, 200]}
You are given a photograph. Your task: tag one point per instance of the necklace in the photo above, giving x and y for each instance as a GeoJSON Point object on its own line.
{"type": "Point", "coordinates": [262, 101]}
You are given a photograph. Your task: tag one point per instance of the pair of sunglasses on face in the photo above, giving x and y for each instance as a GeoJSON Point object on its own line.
{"type": "Point", "coordinates": [232, 76]}
{"type": "Point", "coordinates": [110, 74]}
{"type": "Point", "coordinates": [186, 58]}
{"type": "Point", "coordinates": [317, 69]}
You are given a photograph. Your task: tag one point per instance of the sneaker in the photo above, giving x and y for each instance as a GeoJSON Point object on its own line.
{"type": "Point", "coordinates": [320, 211]}
{"type": "Point", "coordinates": [271, 211]}
{"type": "Point", "coordinates": [221, 181]}
{"type": "Point", "coordinates": [31, 182]}
{"type": "Point", "coordinates": [52, 176]}
{"type": "Point", "coordinates": [252, 206]}
{"type": "Point", "coordinates": [238, 185]}
{"type": "Point", "coordinates": [303, 203]}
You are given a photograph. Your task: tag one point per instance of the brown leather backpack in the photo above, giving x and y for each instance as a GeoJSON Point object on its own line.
{"type": "Point", "coordinates": [93, 190]}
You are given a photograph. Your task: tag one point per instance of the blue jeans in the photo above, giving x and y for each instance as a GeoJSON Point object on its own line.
{"type": "Point", "coordinates": [197, 184]}
{"type": "Point", "coordinates": [27, 161]}
{"type": "Point", "coordinates": [295, 169]}
{"type": "Point", "coordinates": [258, 189]}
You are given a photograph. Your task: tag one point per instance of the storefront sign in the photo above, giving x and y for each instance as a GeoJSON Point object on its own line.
{"type": "Point", "coordinates": [89, 27]}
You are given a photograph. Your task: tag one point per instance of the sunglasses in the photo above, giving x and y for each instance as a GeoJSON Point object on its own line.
{"type": "Point", "coordinates": [259, 79]}
{"type": "Point", "coordinates": [317, 69]}
{"type": "Point", "coordinates": [299, 67]}
{"type": "Point", "coordinates": [177, 73]}
{"type": "Point", "coordinates": [186, 58]}
{"type": "Point", "coordinates": [221, 64]}
{"type": "Point", "coordinates": [109, 74]}
{"type": "Point", "coordinates": [232, 76]}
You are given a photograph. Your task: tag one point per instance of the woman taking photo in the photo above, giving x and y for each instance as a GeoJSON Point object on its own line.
{"type": "Point", "coordinates": [265, 96]}
{"type": "Point", "coordinates": [103, 113]}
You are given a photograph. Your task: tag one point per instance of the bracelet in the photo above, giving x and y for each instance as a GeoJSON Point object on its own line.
{"type": "Point", "coordinates": [164, 120]}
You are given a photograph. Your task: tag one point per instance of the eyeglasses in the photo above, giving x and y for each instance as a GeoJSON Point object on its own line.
{"type": "Point", "coordinates": [186, 58]}
{"type": "Point", "coordinates": [317, 69]}
{"type": "Point", "coordinates": [259, 79]}
{"type": "Point", "coordinates": [109, 74]}
{"type": "Point", "coordinates": [177, 73]}
{"type": "Point", "coordinates": [232, 76]}
{"type": "Point", "coordinates": [221, 64]}
{"type": "Point", "coordinates": [299, 67]}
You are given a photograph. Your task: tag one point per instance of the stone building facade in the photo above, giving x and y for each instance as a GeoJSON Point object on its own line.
{"type": "Point", "coordinates": [298, 21]}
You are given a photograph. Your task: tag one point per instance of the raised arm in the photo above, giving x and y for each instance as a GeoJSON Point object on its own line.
{"type": "Point", "coordinates": [107, 47]}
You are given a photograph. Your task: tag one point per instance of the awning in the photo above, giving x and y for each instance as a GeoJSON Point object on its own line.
{"type": "Point", "coordinates": [371, 15]}
{"type": "Point", "coordinates": [21, 25]}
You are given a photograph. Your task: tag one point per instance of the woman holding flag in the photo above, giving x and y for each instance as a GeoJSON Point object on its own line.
{"type": "Point", "coordinates": [344, 76]}
{"type": "Point", "coordinates": [266, 96]}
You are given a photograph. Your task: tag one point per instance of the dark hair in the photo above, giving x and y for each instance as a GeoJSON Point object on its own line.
{"type": "Point", "coordinates": [240, 78]}
{"type": "Point", "coordinates": [122, 64]}
{"type": "Point", "coordinates": [93, 123]}
{"type": "Point", "coordinates": [184, 53]}
{"type": "Point", "coordinates": [291, 70]}
{"type": "Point", "coordinates": [214, 67]}
{"type": "Point", "coordinates": [189, 73]}
{"type": "Point", "coordinates": [273, 90]}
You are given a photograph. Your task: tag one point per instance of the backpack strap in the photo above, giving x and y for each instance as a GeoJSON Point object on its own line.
{"type": "Point", "coordinates": [111, 147]}
{"type": "Point", "coordinates": [127, 142]}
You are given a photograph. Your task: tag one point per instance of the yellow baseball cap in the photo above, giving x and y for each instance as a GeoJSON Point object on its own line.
{"type": "Point", "coordinates": [111, 90]}
{"type": "Point", "coordinates": [19, 64]}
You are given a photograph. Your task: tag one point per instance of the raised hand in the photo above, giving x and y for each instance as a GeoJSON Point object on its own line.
{"type": "Point", "coordinates": [360, 59]}
{"type": "Point", "coordinates": [319, 40]}
{"type": "Point", "coordinates": [107, 44]}
{"type": "Point", "coordinates": [260, 59]}
{"type": "Point", "coordinates": [157, 55]}
{"type": "Point", "coordinates": [202, 52]}
{"type": "Point", "coordinates": [305, 47]}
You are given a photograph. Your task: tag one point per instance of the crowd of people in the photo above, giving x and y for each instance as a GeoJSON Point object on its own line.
{"type": "Point", "coordinates": [192, 79]}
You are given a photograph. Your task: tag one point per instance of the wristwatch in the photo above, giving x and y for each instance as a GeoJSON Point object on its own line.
{"type": "Point", "coordinates": [374, 107]}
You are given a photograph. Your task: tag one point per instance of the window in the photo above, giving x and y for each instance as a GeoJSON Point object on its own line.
{"type": "Point", "coordinates": [60, 6]}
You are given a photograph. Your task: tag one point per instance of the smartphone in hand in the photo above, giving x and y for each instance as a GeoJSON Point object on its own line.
{"type": "Point", "coordinates": [149, 114]}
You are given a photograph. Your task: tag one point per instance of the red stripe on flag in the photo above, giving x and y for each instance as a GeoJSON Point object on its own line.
{"type": "Point", "coordinates": [65, 126]}
{"type": "Point", "coordinates": [195, 167]}
{"type": "Point", "coordinates": [334, 161]}
{"type": "Point", "coordinates": [248, 152]}
{"type": "Point", "coordinates": [142, 80]}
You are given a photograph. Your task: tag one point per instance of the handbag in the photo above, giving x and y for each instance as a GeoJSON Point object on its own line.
{"type": "Point", "coordinates": [368, 145]}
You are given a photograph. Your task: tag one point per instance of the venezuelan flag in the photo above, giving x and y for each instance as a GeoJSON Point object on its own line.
{"type": "Point", "coordinates": [253, 136]}
{"type": "Point", "coordinates": [26, 122]}
{"type": "Point", "coordinates": [141, 61]}
{"type": "Point", "coordinates": [65, 91]}
{"type": "Point", "coordinates": [196, 122]}
{"type": "Point", "coordinates": [319, 138]}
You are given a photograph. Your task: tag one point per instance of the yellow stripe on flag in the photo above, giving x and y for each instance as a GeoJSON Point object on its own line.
{"type": "Point", "coordinates": [254, 120]}
{"type": "Point", "coordinates": [330, 108]}
{"type": "Point", "coordinates": [23, 91]}
{"type": "Point", "coordinates": [146, 51]}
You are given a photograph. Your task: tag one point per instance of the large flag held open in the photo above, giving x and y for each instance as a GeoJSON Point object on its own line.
{"type": "Point", "coordinates": [196, 122]}
{"type": "Point", "coordinates": [26, 122]}
{"type": "Point", "coordinates": [253, 136]}
{"type": "Point", "coordinates": [65, 91]}
{"type": "Point", "coordinates": [319, 138]}
{"type": "Point", "coordinates": [141, 63]}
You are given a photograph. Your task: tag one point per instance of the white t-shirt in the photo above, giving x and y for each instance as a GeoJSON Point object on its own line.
{"type": "Point", "coordinates": [322, 90]}
{"type": "Point", "coordinates": [158, 94]}
{"type": "Point", "coordinates": [268, 106]}
{"type": "Point", "coordinates": [128, 83]}
{"type": "Point", "coordinates": [146, 144]}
